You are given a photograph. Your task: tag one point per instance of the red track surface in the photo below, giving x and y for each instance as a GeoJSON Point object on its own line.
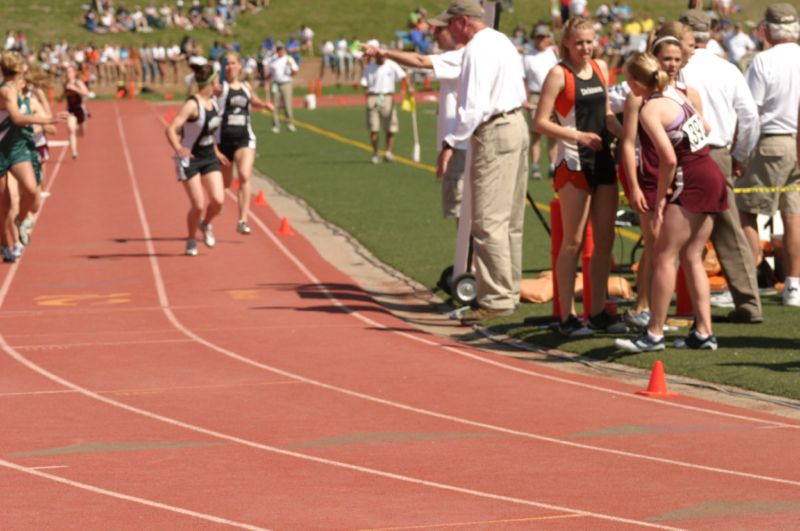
{"type": "Point", "coordinates": [256, 385]}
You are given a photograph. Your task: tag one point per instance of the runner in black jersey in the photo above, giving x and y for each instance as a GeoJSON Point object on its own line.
{"type": "Point", "coordinates": [192, 134]}
{"type": "Point", "coordinates": [75, 91]}
{"type": "Point", "coordinates": [237, 140]}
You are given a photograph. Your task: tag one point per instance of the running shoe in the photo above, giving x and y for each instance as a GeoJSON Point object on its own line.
{"type": "Point", "coordinates": [388, 156]}
{"type": "Point", "coordinates": [17, 250]}
{"type": "Point", "coordinates": [607, 323]}
{"type": "Point", "coordinates": [8, 256]}
{"type": "Point", "coordinates": [573, 327]}
{"type": "Point", "coordinates": [24, 232]}
{"type": "Point", "coordinates": [276, 129]}
{"type": "Point", "coordinates": [643, 343]}
{"type": "Point", "coordinates": [693, 341]}
{"type": "Point", "coordinates": [791, 295]}
{"type": "Point", "coordinates": [243, 228]}
{"type": "Point", "coordinates": [536, 173]}
{"type": "Point", "coordinates": [191, 247]}
{"type": "Point", "coordinates": [722, 300]}
{"type": "Point", "coordinates": [376, 159]}
{"type": "Point", "coordinates": [637, 320]}
{"type": "Point", "coordinates": [291, 128]}
{"type": "Point", "coordinates": [208, 234]}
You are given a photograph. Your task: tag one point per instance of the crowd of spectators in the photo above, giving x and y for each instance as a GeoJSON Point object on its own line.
{"type": "Point", "coordinates": [102, 16]}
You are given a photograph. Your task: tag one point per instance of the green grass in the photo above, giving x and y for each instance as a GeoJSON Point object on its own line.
{"type": "Point", "coordinates": [50, 21]}
{"type": "Point", "coordinates": [394, 210]}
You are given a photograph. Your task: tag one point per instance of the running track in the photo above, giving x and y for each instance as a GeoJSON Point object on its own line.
{"type": "Point", "coordinates": [256, 386]}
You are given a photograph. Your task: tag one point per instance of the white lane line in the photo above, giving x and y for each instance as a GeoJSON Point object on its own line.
{"type": "Point", "coordinates": [51, 467]}
{"type": "Point", "coordinates": [164, 301]}
{"type": "Point", "coordinates": [120, 496]}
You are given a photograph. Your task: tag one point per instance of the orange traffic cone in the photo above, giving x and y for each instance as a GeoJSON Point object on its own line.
{"type": "Point", "coordinates": [261, 200]}
{"type": "Point", "coordinates": [285, 229]}
{"type": "Point", "coordinates": [341, 100]}
{"type": "Point", "coordinates": [131, 90]}
{"type": "Point", "coordinates": [169, 116]}
{"type": "Point", "coordinates": [169, 96]}
{"type": "Point", "coordinates": [658, 383]}
{"type": "Point", "coordinates": [235, 184]}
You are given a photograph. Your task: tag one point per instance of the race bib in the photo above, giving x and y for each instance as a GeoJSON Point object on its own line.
{"type": "Point", "coordinates": [693, 128]}
{"type": "Point", "coordinates": [237, 120]}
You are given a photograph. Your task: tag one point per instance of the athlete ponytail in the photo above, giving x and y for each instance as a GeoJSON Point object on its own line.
{"type": "Point", "coordinates": [204, 73]}
{"type": "Point", "coordinates": [11, 64]}
{"type": "Point", "coordinates": [643, 69]}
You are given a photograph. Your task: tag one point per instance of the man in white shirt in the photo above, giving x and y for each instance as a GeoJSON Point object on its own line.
{"type": "Point", "coordinates": [380, 79]}
{"type": "Point", "coordinates": [446, 69]}
{"type": "Point", "coordinates": [726, 99]}
{"type": "Point", "coordinates": [536, 66]}
{"type": "Point", "coordinates": [281, 70]}
{"type": "Point", "coordinates": [491, 94]}
{"type": "Point", "coordinates": [774, 78]}
{"type": "Point", "coordinates": [739, 45]}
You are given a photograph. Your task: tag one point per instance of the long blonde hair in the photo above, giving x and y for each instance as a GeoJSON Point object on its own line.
{"type": "Point", "coordinates": [644, 70]}
{"type": "Point", "coordinates": [11, 63]}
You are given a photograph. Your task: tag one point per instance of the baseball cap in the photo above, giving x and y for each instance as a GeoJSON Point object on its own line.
{"type": "Point", "coordinates": [697, 19]}
{"type": "Point", "coordinates": [542, 31]}
{"type": "Point", "coordinates": [780, 14]}
{"type": "Point", "coordinates": [279, 44]}
{"type": "Point", "coordinates": [460, 8]}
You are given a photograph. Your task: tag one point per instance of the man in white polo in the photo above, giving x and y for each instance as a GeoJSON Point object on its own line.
{"type": "Point", "coordinates": [380, 80]}
{"type": "Point", "coordinates": [446, 68]}
{"type": "Point", "coordinates": [731, 112]}
{"type": "Point", "coordinates": [491, 95]}
{"type": "Point", "coordinates": [774, 81]}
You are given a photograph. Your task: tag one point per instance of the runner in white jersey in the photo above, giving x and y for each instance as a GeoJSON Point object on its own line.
{"type": "Point", "coordinates": [237, 141]}
{"type": "Point", "coordinates": [192, 134]}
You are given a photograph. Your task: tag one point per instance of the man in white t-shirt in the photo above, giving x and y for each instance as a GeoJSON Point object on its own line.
{"type": "Point", "coordinates": [446, 69]}
{"type": "Point", "coordinates": [774, 78]}
{"type": "Point", "coordinates": [536, 66]}
{"type": "Point", "coordinates": [281, 71]}
{"type": "Point", "coordinates": [739, 45]}
{"type": "Point", "coordinates": [380, 80]}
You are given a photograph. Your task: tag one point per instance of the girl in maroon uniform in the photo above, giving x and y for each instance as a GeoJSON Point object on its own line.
{"type": "Point", "coordinates": [683, 188]}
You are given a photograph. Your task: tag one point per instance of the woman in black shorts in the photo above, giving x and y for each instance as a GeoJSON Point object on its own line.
{"type": "Point", "coordinates": [237, 140]}
{"type": "Point", "coordinates": [192, 134]}
{"type": "Point", "coordinates": [75, 91]}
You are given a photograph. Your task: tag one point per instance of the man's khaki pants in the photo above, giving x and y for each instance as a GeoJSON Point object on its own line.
{"type": "Point", "coordinates": [499, 180]}
{"type": "Point", "coordinates": [282, 97]}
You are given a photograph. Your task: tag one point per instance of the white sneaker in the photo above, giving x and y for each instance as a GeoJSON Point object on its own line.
{"type": "Point", "coordinates": [208, 234]}
{"type": "Point", "coordinates": [17, 250]}
{"type": "Point", "coordinates": [376, 159]}
{"type": "Point", "coordinates": [388, 156]}
{"type": "Point", "coordinates": [276, 129]}
{"type": "Point", "coordinates": [791, 296]}
{"type": "Point", "coordinates": [243, 228]}
{"type": "Point", "coordinates": [291, 128]}
{"type": "Point", "coordinates": [191, 247]}
{"type": "Point", "coordinates": [723, 300]}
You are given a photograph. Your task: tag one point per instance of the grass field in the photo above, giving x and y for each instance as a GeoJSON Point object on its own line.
{"type": "Point", "coordinates": [394, 210]}
{"type": "Point", "coordinates": [50, 21]}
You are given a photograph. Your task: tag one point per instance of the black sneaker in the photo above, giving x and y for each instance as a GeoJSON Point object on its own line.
{"type": "Point", "coordinates": [692, 341]}
{"type": "Point", "coordinates": [643, 343]}
{"type": "Point", "coordinates": [573, 327]}
{"type": "Point", "coordinates": [606, 322]}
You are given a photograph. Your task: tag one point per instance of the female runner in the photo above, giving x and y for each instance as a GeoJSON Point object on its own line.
{"type": "Point", "coordinates": [683, 188]}
{"type": "Point", "coordinates": [198, 159]}
{"type": "Point", "coordinates": [237, 140]}
{"type": "Point", "coordinates": [672, 46]}
{"type": "Point", "coordinates": [585, 175]}
{"type": "Point", "coordinates": [17, 148]}
{"type": "Point", "coordinates": [75, 90]}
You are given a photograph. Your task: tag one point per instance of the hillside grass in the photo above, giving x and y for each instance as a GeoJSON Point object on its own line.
{"type": "Point", "coordinates": [51, 21]}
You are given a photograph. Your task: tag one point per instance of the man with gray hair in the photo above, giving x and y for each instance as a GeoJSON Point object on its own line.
{"type": "Point", "coordinates": [726, 100]}
{"type": "Point", "coordinates": [774, 80]}
{"type": "Point", "coordinates": [491, 95]}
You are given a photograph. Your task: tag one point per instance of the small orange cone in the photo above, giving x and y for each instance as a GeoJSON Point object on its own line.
{"type": "Point", "coordinates": [235, 184]}
{"type": "Point", "coordinates": [285, 229]}
{"type": "Point", "coordinates": [341, 100]}
{"type": "Point", "coordinates": [658, 383]}
{"type": "Point", "coordinates": [169, 96]}
{"type": "Point", "coordinates": [261, 200]}
{"type": "Point", "coordinates": [132, 90]}
{"type": "Point", "coordinates": [169, 116]}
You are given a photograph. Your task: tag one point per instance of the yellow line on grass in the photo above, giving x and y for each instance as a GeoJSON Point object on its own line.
{"type": "Point", "coordinates": [629, 234]}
